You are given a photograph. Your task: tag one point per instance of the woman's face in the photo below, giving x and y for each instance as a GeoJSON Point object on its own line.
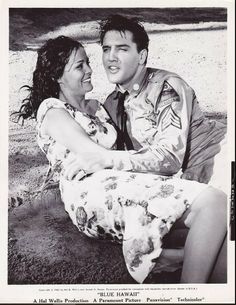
{"type": "Point", "coordinates": [76, 78]}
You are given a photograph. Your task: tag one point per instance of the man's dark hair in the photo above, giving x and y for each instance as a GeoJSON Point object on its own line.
{"type": "Point", "coordinates": [122, 24]}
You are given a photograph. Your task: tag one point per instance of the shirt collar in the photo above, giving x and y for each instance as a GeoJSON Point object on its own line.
{"type": "Point", "coordinates": [137, 86]}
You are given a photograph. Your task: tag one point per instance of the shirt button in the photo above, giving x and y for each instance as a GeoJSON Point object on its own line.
{"type": "Point", "coordinates": [136, 87]}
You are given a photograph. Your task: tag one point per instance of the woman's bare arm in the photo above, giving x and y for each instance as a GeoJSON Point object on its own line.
{"type": "Point", "coordinates": [59, 125]}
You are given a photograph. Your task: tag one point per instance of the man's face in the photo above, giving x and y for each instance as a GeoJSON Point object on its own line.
{"type": "Point", "coordinates": [121, 59]}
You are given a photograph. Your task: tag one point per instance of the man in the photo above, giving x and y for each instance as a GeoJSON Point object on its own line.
{"type": "Point", "coordinates": [158, 114]}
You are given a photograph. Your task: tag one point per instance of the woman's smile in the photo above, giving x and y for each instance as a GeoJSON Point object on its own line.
{"type": "Point", "coordinates": [76, 79]}
{"type": "Point", "coordinates": [87, 80]}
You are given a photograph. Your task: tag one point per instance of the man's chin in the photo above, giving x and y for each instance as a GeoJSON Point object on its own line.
{"type": "Point", "coordinates": [113, 79]}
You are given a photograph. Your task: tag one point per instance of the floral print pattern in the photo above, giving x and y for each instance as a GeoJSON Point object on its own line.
{"type": "Point", "coordinates": [134, 209]}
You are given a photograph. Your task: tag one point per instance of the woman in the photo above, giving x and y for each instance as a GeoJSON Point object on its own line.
{"type": "Point", "coordinates": [102, 196]}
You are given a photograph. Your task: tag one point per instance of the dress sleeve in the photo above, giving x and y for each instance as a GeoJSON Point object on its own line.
{"type": "Point", "coordinates": [48, 104]}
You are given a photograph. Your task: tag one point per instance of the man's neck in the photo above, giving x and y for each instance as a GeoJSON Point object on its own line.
{"type": "Point", "coordinates": [136, 80]}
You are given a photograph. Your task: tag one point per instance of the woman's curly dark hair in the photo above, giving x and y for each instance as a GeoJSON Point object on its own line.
{"type": "Point", "coordinates": [51, 61]}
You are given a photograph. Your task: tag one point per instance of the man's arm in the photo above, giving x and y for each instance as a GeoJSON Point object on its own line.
{"type": "Point", "coordinates": [166, 153]}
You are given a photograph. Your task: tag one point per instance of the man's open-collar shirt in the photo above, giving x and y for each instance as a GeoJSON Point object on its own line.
{"type": "Point", "coordinates": [163, 117]}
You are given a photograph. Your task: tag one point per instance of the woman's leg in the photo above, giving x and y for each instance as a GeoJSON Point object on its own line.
{"type": "Point", "coordinates": [219, 272]}
{"type": "Point", "coordinates": [207, 222]}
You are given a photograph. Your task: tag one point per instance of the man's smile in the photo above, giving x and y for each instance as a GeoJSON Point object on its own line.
{"type": "Point", "coordinates": [113, 69]}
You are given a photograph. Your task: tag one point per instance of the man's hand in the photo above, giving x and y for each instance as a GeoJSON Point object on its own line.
{"type": "Point", "coordinates": [85, 164]}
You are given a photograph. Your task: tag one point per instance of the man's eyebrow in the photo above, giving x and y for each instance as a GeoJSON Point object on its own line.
{"type": "Point", "coordinates": [123, 45]}
{"type": "Point", "coordinates": [117, 45]}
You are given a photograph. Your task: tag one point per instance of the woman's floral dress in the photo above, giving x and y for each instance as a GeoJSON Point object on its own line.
{"type": "Point", "coordinates": [134, 209]}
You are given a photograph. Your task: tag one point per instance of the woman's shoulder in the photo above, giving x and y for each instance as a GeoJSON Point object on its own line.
{"type": "Point", "coordinates": [47, 104]}
{"type": "Point", "coordinates": [51, 102]}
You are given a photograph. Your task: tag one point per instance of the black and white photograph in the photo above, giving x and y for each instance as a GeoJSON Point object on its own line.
{"type": "Point", "coordinates": [118, 166]}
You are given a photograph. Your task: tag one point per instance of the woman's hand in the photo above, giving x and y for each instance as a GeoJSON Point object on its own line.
{"type": "Point", "coordinates": [85, 164]}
